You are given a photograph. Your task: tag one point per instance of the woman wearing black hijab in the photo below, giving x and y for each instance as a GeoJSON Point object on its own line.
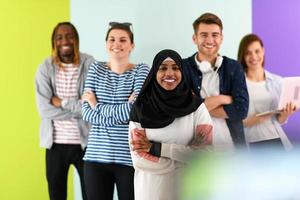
{"type": "Point", "coordinates": [166, 122]}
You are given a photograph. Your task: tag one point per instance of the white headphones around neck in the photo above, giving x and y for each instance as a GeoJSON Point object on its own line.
{"type": "Point", "coordinates": [205, 66]}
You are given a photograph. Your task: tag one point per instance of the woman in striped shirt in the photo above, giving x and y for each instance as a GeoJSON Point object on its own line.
{"type": "Point", "coordinates": [110, 89]}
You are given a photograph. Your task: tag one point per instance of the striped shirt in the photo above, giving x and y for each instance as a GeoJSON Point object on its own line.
{"type": "Point", "coordinates": [66, 131]}
{"type": "Point", "coordinates": [108, 138]}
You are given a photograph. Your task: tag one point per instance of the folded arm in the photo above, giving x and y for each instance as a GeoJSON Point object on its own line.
{"type": "Point", "coordinates": [215, 104]}
{"type": "Point", "coordinates": [44, 95]}
{"type": "Point", "coordinates": [238, 109]}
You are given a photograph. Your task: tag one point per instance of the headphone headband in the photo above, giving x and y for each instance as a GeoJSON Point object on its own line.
{"type": "Point", "coordinates": [205, 66]}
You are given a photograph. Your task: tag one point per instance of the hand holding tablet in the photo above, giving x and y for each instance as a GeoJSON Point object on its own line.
{"type": "Point", "coordinates": [290, 93]}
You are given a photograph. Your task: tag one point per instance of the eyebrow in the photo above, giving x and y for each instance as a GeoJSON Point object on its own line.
{"type": "Point", "coordinates": [202, 33]}
{"type": "Point", "coordinates": [123, 37]}
{"type": "Point", "coordinates": [67, 34]}
{"type": "Point", "coordinates": [167, 65]}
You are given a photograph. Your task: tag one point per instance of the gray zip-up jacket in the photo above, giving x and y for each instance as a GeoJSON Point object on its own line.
{"type": "Point", "coordinates": [45, 88]}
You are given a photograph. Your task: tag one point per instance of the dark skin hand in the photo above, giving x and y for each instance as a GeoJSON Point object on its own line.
{"type": "Point", "coordinates": [55, 101]}
{"type": "Point", "coordinates": [141, 145]}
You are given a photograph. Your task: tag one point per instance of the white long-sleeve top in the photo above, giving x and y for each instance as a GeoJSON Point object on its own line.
{"type": "Point", "coordinates": [156, 180]}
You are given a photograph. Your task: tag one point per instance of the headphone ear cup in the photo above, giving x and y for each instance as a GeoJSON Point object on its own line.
{"type": "Point", "coordinates": [205, 66]}
{"type": "Point", "coordinates": [219, 62]}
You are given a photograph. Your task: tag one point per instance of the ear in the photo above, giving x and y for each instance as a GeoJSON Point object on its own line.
{"type": "Point", "coordinates": [222, 36]}
{"type": "Point", "coordinates": [194, 37]}
{"type": "Point", "coordinates": [132, 47]}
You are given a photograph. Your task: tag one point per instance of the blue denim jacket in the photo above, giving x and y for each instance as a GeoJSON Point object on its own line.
{"type": "Point", "coordinates": [232, 82]}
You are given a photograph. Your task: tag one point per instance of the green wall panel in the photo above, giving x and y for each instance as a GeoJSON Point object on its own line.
{"type": "Point", "coordinates": [26, 28]}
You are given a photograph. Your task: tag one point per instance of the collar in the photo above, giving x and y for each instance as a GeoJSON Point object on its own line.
{"type": "Point", "coordinates": [268, 75]}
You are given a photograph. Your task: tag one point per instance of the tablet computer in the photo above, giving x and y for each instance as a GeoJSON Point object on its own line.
{"type": "Point", "coordinates": [268, 112]}
{"type": "Point", "coordinates": [290, 92]}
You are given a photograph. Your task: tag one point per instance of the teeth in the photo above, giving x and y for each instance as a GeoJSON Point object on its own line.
{"type": "Point", "coordinates": [116, 50]}
{"type": "Point", "coordinates": [65, 47]}
{"type": "Point", "coordinates": [169, 80]}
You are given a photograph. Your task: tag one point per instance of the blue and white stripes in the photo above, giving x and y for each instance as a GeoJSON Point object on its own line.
{"type": "Point", "coordinates": [108, 139]}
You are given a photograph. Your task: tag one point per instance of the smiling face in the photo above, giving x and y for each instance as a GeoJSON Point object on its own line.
{"type": "Point", "coordinates": [168, 75]}
{"type": "Point", "coordinates": [118, 44]}
{"type": "Point", "coordinates": [208, 39]}
{"type": "Point", "coordinates": [64, 40]}
{"type": "Point", "coordinates": [254, 56]}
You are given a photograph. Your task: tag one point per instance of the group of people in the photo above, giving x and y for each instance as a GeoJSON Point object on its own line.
{"type": "Point", "coordinates": [122, 124]}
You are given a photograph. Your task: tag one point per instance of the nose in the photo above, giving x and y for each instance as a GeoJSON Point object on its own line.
{"type": "Point", "coordinates": [117, 43]}
{"type": "Point", "coordinates": [209, 38]}
{"type": "Point", "coordinates": [252, 55]}
{"type": "Point", "coordinates": [65, 40]}
{"type": "Point", "coordinates": [170, 72]}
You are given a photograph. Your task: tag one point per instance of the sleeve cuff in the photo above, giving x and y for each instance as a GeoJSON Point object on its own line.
{"type": "Point", "coordinates": [64, 103]}
{"type": "Point", "coordinates": [166, 150]}
{"type": "Point", "coordinates": [155, 149]}
{"type": "Point", "coordinates": [97, 107]}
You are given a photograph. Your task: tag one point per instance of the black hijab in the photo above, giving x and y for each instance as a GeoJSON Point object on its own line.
{"type": "Point", "coordinates": [156, 107]}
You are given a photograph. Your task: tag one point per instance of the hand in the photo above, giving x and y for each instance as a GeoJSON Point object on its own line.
{"type": "Point", "coordinates": [213, 102]}
{"type": "Point", "coordinates": [140, 142]}
{"type": "Point", "coordinates": [55, 101]}
{"type": "Point", "coordinates": [132, 98]}
{"type": "Point", "coordinates": [203, 136]}
{"type": "Point", "coordinates": [141, 145]}
{"type": "Point", "coordinates": [225, 99]}
{"type": "Point", "coordinates": [89, 97]}
{"type": "Point", "coordinates": [288, 110]}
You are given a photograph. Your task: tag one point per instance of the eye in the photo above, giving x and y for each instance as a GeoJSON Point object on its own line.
{"type": "Point", "coordinates": [203, 35]}
{"type": "Point", "coordinates": [58, 37]}
{"type": "Point", "coordinates": [123, 39]}
{"type": "Point", "coordinates": [247, 53]}
{"type": "Point", "coordinates": [70, 36]}
{"type": "Point", "coordinates": [175, 67]}
{"type": "Point", "coordinates": [215, 35]}
{"type": "Point", "coordinates": [162, 68]}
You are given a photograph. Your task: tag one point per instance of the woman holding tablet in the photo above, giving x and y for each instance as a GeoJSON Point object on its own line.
{"type": "Point", "coordinates": [264, 92]}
